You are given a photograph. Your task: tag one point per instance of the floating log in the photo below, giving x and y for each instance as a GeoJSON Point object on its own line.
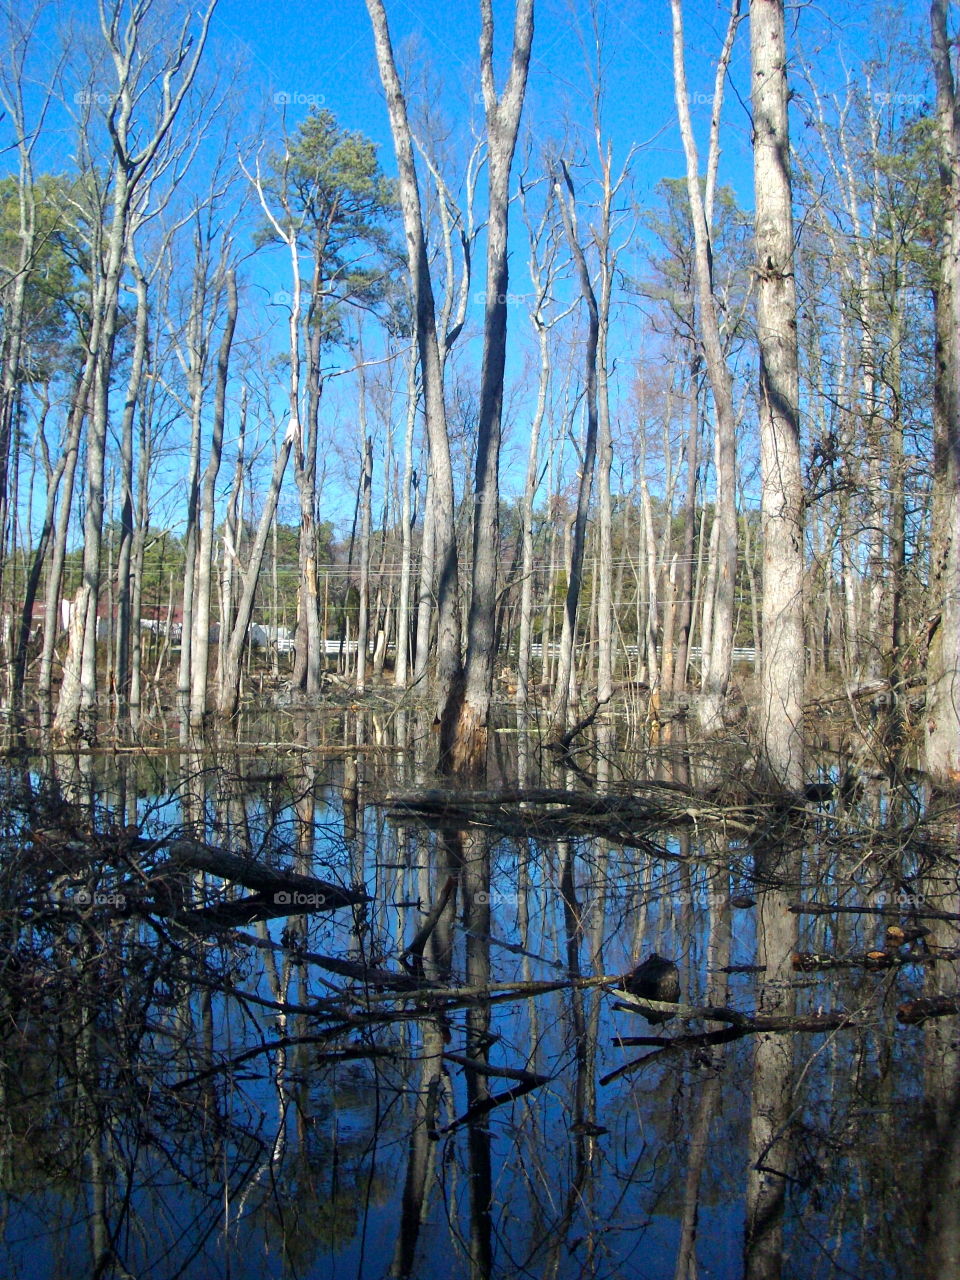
{"type": "Point", "coordinates": [619, 816]}
{"type": "Point", "coordinates": [899, 908]}
{"type": "Point", "coordinates": [916, 1011]}
{"type": "Point", "coordinates": [743, 1025]}
{"type": "Point", "coordinates": [290, 889]}
{"type": "Point", "coordinates": [805, 961]}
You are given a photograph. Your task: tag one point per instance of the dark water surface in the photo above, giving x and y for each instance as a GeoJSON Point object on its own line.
{"type": "Point", "coordinates": [431, 1082]}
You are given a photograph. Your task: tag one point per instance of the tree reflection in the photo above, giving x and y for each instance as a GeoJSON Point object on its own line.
{"type": "Point", "coordinates": [447, 1077]}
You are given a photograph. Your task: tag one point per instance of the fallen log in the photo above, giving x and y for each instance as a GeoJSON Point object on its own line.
{"type": "Point", "coordinates": [630, 1003]}
{"type": "Point", "coordinates": [485, 1069]}
{"type": "Point", "coordinates": [807, 961]}
{"type": "Point", "coordinates": [288, 887]}
{"type": "Point", "coordinates": [743, 1025]}
{"type": "Point", "coordinates": [901, 908]}
{"type": "Point", "coordinates": [916, 1011]}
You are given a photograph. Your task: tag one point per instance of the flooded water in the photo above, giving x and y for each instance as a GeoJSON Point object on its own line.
{"type": "Point", "coordinates": [211, 1071]}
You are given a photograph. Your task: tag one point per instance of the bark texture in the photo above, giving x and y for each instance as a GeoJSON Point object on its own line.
{"type": "Point", "coordinates": [431, 372]}
{"type": "Point", "coordinates": [943, 661]}
{"type": "Point", "coordinates": [782, 661]}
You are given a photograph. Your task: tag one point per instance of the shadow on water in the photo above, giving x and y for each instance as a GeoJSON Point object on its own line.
{"type": "Point", "coordinates": [293, 1010]}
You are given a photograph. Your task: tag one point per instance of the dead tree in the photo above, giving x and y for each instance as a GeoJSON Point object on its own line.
{"type": "Point", "coordinates": [717, 663]}
{"type": "Point", "coordinates": [449, 668]}
{"type": "Point", "coordinates": [783, 654]}
{"type": "Point", "coordinates": [463, 742]}
{"type": "Point", "coordinates": [943, 661]}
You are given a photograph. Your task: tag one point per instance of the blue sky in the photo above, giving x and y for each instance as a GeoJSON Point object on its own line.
{"type": "Point", "coordinates": [310, 53]}
{"type": "Point", "coordinates": [315, 54]}
{"type": "Point", "coordinates": [307, 54]}
{"type": "Point", "coordinates": [313, 51]}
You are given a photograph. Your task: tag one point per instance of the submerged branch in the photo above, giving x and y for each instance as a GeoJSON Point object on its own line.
{"type": "Point", "coordinates": [744, 1025]}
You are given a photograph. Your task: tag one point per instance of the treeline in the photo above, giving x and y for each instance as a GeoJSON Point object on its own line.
{"type": "Point", "coordinates": [248, 376]}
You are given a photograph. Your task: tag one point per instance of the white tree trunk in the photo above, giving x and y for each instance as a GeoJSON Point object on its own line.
{"type": "Point", "coordinates": [718, 663]}
{"type": "Point", "coordinates": [402, 665]}
{"type": "Point", "coordinates": [463, 740]}
{"type": "Point", "coordinates": [783, 655]}
{"type": "Point", "coordinates": [943, 661]}
{"type": "Point", "coordinates": [200, 653]}
{"type": "Point", "coordinates": [441, 485]}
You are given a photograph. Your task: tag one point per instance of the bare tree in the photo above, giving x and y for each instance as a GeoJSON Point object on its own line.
{"type": "Point", "coordinates": [232, 652]}
{"type": "Point", "coordinates": [717, 663]}
{"type": "Point", "coordinates": [943, 662]}
{"type": "Point", "coordinates": [563, 692]}
{"type": "Point", "coordinates": [545, 271]}
{"type": "Point", "coordinates": [125, 621]}
{"type": "Point", "coordinates": [783, 656]}
{"type": "Point", "coordinates": [152, 83]}
{"type": "Point", "coordinates": [402, 664]}
{"type": "Point", "coordinates": [464, 738]}
{"type": "Point", "coordinates": [449, 668]}
{"type": "Point", "coordinates": [200, 655]}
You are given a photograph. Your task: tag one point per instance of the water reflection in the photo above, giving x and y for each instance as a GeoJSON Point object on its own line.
{"type": "Point", "coordinates": [439, 1076]}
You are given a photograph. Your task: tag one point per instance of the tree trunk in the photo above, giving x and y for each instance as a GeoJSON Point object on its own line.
{"type": "Point", "coordinates": [561, 706]}
{"type": "Point", "coordinates": [230, 683]}
{"type": "Point", "coordinates": [685, 585]}
{"type": "Point", "coordinates": [783, 656]}
{"type": "Point", "coordinates": [76, 709]}
{"type": "Point", "coordinates": [463, 735]}
{"type": "Point", "coordinates": [231, 527]}
{"type": "Point", "coordinates": [363, 620]}
{"type": "Point", "coordinates": [200, 653]}
{"type": "Point", "coordinates": [31, 586]}
{"type": "Point", "coordinates": [195, 371]}
{"type": "Point", "coordinates": [526, 516]}
{"type": "Point", "coordinates": [402, 665]}
{"type": "Point", "coordinates": [943, 661]}
{"type": "Point", "coordinates": [448, 640]}
{"type": "Point", "coordinates": [125, 621]}
{"type": "Point", "coordinates": [718, 663]}
{"type": "Point", "coordinates": [140, 533]}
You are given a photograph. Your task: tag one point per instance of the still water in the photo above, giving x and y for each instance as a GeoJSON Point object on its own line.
{"type": "Point", "coordinates": [443, 1075]}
